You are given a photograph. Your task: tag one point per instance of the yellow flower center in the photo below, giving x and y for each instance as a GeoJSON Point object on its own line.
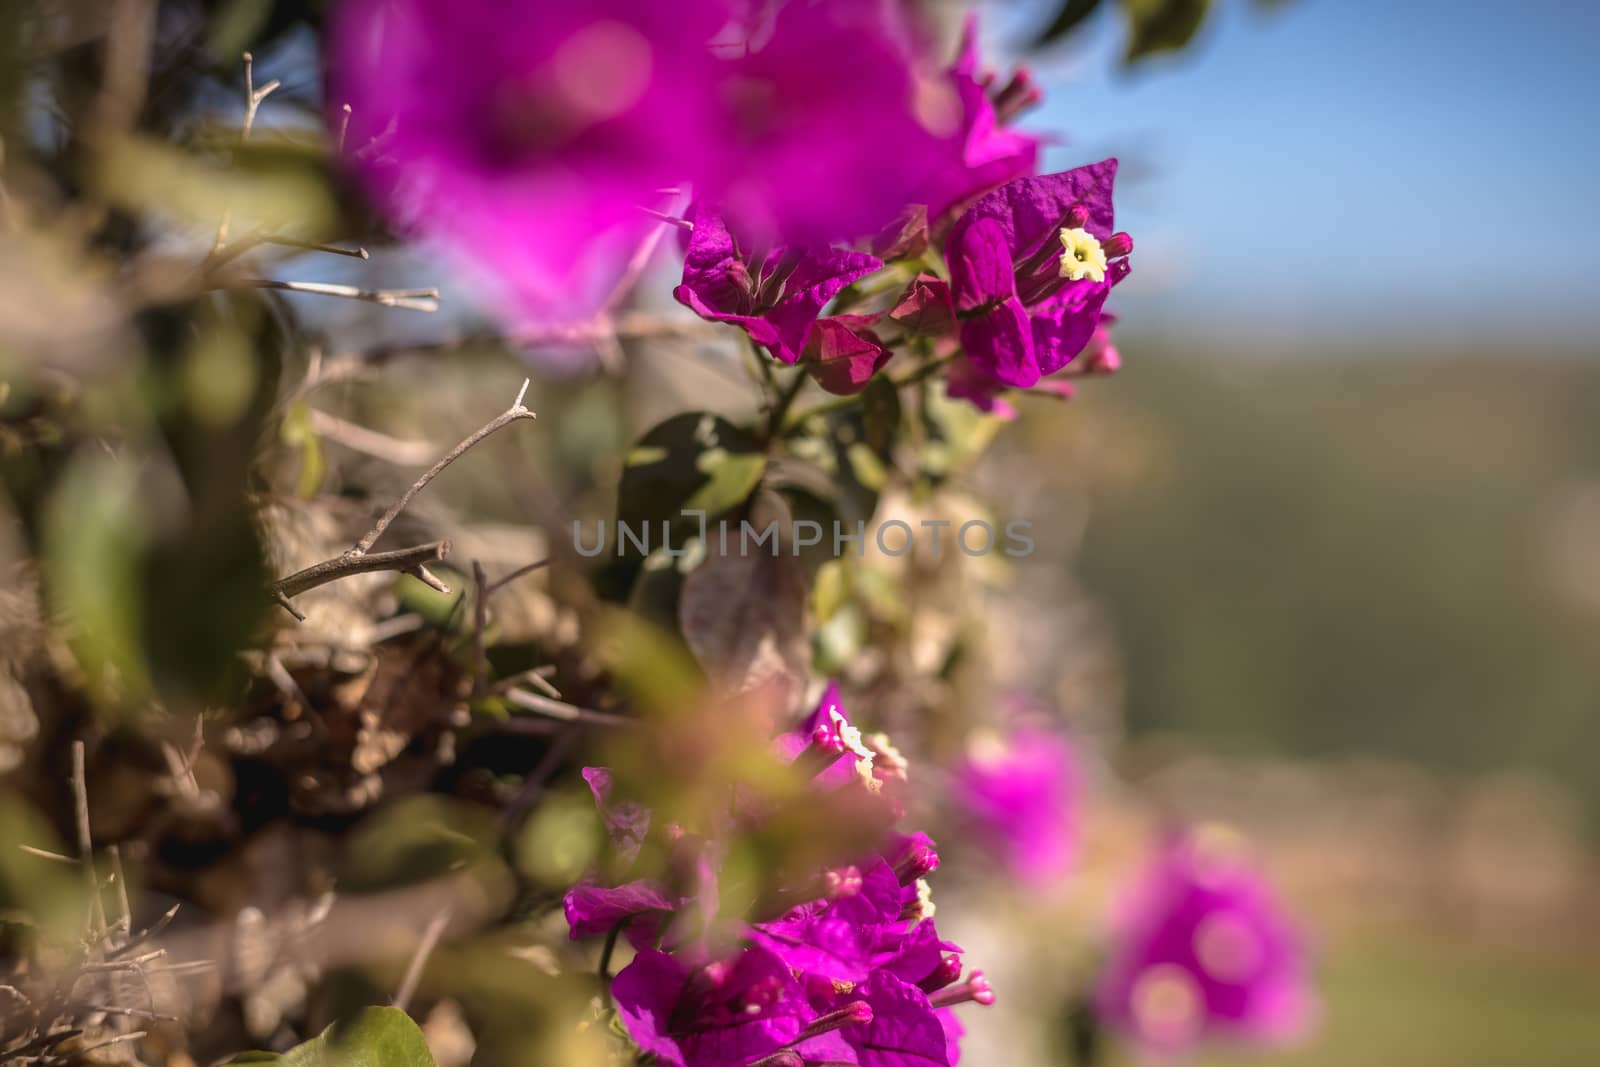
{"type": "Point", "coordinates": [1081, 256]}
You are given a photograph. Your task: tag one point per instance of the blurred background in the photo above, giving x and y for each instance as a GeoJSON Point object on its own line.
{"type": "Point", "coordinates": [1321, 561]}
{"type": "Point", "coordinates": [1335, 527]}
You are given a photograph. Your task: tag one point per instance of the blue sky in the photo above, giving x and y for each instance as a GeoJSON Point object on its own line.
{"type": "Point", "coordinates": [1352, 170]}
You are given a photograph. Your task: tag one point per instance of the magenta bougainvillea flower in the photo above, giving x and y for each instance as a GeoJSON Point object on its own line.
{"type": "Point", "coordinates": [775, 295]}
{"type": "Point", "coordinates": [1018, 798]}
{"type": "Point", "coordinates": [854, 973]}
{"type": "Point", "coordinates": [1202, 949]}
{"type": "Point", "coordinates": [1031, 265]}
{"type": "Point", "coordinates": [726, 1013]}
{"type": "Point", "coordinates": [991, 153]}
{"type": "Point", "coordinates": [525, 138]}
{"type": "Point", "coordinates": [833, 122]}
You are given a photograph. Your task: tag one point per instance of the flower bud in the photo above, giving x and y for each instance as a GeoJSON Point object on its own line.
{"type": "Point", "coordinates": [1118, 244]}
{"type": "Point", "coordinates": [948, 970]}
{"type": "Point", "coordinates": [918, 861]}
{"type": "Point", "coordinates": [975, 989]}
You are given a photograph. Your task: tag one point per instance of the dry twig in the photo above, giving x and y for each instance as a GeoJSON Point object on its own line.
{"type": "Point", "coordinates": [360, 559]}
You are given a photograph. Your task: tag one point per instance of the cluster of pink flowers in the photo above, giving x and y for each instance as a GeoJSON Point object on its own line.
{"type": "Point", "coordinates": [537, 144]}
{"type": "Point", "coordinates": [840, 195]}
{"type": "Point", "coordinates": [527, 139]}
{"type": "Point", "coordinates": [850, 971]}
{"type": "Point", "coordinates": [1030, 261]}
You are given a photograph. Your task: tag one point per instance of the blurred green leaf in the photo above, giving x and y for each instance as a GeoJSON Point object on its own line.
{"type": "Point", "coordinates": [262, 189]}
{"type": "Point", "coordinates": [417, 839]}
{"type": "Point", "coordinates": [450, 610]}
{"type": "Point", "coordinates": [1161, 25]}
{"type": "Point", "coordinates": [50, 896]}
{"type": "Point", "coordinates": [560, 841]}
{"type": "Point", "coordinates": [1067, 18]}
{"type": "Point", "coordinates": [376, 1037]}
{"type": "Point", "coordinates": [693, 461]}
{"type": "Point", "coordinates": [650, 665]}
{"type": "Point", "coordinates": [297, 432]}
{"type": "Point", "coordinates": [94, 533]}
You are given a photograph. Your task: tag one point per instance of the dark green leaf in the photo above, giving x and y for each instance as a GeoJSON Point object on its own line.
{"type": "Point", "coordinates": [694, 461]}
{"type": "Point", "coordinates": [1067, 18]}
{"type": "Point", "coordinates": [1156, 26]}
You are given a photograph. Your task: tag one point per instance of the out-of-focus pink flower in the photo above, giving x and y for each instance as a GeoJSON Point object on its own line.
{"type": "Point", "coordinates": [1018, 796]}
{"type": "Point", "coordinates": [1202, 949]}
{"type": "Point", "coordinates": [991, 152]}
{"type": "Point", "coordinates": [832, 123]}
{"type": "Point", "coordinates": [524, 138]}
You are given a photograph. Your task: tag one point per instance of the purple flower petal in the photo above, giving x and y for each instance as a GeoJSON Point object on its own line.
{"type": "Point", "coordinates": [593, 910]}
{"type": "Point", "coordinates": [724, 1014]}
{"type": "Point", "coordinates": [775, 296]}
{"type": "Point", "coordinates": [833, 129]}
{"type": "Point", "coordinates": [522, 140]}
{"type": "Point", "coordinates": [991, 154]}
{"type": "Point", "coordinates": [627, 821]}
{"type": "Point", "coordinates": [999, 342]}
{"type": "Point", "coordinates": [904, 1031]}
{"type": "Point", "coordinates": [842, 354]}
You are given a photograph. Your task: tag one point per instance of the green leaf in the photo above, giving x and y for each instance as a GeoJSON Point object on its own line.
{"type": "Point", "coordinates": [694, 461]}
{"type": "Point", "coordinates": [417, 839]}
{"type": "Point", "coordinates": [297, 432]}
{"type": "Point", "coordinates": [733, 476]}
{"type": "Point", "coordinates": [1156, 26]}
{"type": "Point", "coordinates": [95, 532]}
{"type": "Point", "coordinates": [1067, 18]}
{"type": "Point", "coordinates": [375, 1037]}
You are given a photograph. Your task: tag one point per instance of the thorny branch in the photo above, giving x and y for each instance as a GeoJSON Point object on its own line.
{"type": "Point", "coordinates": [252, 104]}
{"type": "Point", "coordinates": [360, 559]}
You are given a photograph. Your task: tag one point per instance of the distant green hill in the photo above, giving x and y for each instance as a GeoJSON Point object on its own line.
{"type": "Point", "coordinates": [1392, 555]}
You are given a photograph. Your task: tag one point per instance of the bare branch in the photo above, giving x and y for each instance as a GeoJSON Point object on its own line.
{"type": "Point", "coordinates": [560, 709]}
{"type": "Point", "coordinates": [419, 959]}
{"type": "Point", "coordinates": [46, 855]}
{"type": "Point", "coordinates": [538, 677]}
{"type": "Point", "coordinates": [80, 796]}
{"type": "Point", "coordinates": [312, 246]}
{"type": "Point", "coordinates": [404, 560]}
{"type": "Point", "coordinates": [136, 1013]}
{"type": "Point", "coordinates": [252, 104]}
{"type": "Point", "coordinates": [408, 299]}
{"type": "Point", "coordinates": [512, 414]}
{"type": "Point", "coordinates": [526, 569]}
{"type": "Point", "coordinates": [379, 445]}
{"type": "Point", "coordinates": [133, 1035]}
{"type": "Point", "coordinates": [480, 623]}
{"type": "Point", "coordinates": [124, 923]}
{"type": "Point", "coordinates": [360, 558]}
